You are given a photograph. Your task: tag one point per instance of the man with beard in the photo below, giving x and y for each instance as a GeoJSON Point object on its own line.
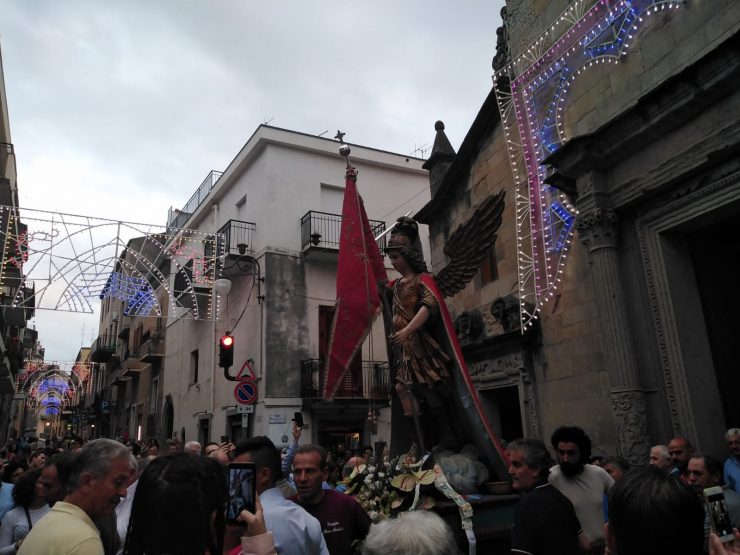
{"type": "Point", "coordinates": [584, 484]}
{"type": "Point", "coordinates": [544, 521]}
{"type": "Point", "coordinates": [97, 483]}
{"type": "Point", "coordinates": [681, 451]}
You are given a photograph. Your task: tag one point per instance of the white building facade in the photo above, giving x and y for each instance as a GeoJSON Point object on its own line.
{"type": "Point", "coordinates": [278, 205]}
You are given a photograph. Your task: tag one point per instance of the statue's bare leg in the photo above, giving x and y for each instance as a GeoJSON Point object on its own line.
{"type": "Point", "coordinates": [410, 405]}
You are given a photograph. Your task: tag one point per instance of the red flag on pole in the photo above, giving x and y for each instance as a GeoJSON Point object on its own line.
{"type": "Point", "coordinates": [359, 268]}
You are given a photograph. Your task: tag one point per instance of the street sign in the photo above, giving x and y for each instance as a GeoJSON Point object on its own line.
{"type": "Point", "coordinates": [244, 409]}
{"type": "Point", "coordinates": [247, 372]}
{"type": "Point", "coordinates": [245, 392]}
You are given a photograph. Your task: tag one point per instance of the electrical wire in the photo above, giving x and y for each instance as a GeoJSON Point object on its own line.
{"type": "Point", "coordinates": [425, 189]}
{"type": "Point", "coordinates": [251, 290]}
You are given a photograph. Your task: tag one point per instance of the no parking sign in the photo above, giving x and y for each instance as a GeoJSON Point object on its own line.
{"type": "Point", "coordinates": [245, 392]}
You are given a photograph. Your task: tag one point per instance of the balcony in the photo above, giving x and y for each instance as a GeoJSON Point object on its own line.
{"type": "Point", "coordinates": [103, 348]}
{"type": "Point", "coordinates": [176, 219]}
{"type": "Point", "coordinates": [370, 380]}
{"type": "Point", "coordinates": [151, 346]}
{"type": "Point", "coordinates": [320, 232]}
{"type": "Point", "coordinates": [238, 238]}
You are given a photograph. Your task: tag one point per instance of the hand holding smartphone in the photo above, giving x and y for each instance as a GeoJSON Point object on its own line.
{"type": "Point", "coordinates": [718, 515]}
{"type": "Point", "coordinates": [242, 490]}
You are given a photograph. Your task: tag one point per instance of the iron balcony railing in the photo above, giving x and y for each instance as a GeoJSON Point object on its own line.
{"type": "Point", "coordinates": [238, 238]}
{"type": "Point", "coordinates": [177, 219]}
{"type": "Point", "coordinates": [103, 348]}
{"type": "Point", "coordinates": [322, 230]}
{"type": "Point", "coordinates": [370, 380]}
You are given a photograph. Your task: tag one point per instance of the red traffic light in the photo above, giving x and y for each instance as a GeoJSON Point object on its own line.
{"type": "Point", "coordinates": [227, 341]}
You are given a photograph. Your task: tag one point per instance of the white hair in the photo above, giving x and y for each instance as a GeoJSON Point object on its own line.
{"type": "Point", "coordinates": [96, 457]}
{"type": "Point", "coordinates": [732, 432]}
{"type": "Point", "coordinates": [412, 533]}
{"type": "Point", "coordinates": [664, 453]}
{"type": "Point", "coordinates": [191, 444]}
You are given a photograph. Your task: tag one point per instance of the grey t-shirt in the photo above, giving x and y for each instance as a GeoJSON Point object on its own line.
{"type": "Point", "coordinates": [586, 491]}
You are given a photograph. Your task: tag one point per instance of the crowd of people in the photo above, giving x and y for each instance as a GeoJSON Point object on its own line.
{"type": "Point", "coordinates": [596, 505]}
{"type": "Point", "coordinates": [109, 498]}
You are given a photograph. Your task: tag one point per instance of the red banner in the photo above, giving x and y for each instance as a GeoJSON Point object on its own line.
{"type": "Point", "coordinates": [359, 268]}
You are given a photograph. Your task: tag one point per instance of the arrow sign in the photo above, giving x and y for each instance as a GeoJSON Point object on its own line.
{"type": "Point", "coordinates": [245, 392]}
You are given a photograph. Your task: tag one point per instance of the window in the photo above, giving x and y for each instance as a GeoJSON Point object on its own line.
{"type": "Point", "coordinates": [352, 383]}
{"type": "Point", "coordinates": [489, 267]}
{"type": "Point", "coordinates": [194, 367]}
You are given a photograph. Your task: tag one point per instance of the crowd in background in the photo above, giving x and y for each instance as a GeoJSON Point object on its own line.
{"type": "Point", "coordinates": [109, 497]}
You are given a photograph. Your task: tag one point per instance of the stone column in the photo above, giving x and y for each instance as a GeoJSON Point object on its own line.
{"type": "Point", "coordinates": [598, 231]}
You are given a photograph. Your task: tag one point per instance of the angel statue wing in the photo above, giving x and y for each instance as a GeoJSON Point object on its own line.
{"type": "Point", "coordinates": [468, 245]}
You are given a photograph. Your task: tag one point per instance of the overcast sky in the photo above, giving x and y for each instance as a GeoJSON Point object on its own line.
{"type": "Point", "coordinates": [121, 108]}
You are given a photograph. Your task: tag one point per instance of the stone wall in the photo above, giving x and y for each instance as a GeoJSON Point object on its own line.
{"type": "Point", "coordinates": [565, 363]}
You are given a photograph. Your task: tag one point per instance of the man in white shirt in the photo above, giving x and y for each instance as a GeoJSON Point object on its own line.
{"type": "Point", "coordinates": [295, 531]}
{"type": "Point", "coordinates": [584, 484]}
{"type": "Point", "coordinates": [123, 509]}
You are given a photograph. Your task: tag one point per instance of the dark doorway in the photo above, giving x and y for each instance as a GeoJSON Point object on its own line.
{"type": "Point", "coordinates": [715, 251]}
{"type": "Point", "coordinates": [502, 406]}
{"type": "Point", "coordinates": [169, 420]}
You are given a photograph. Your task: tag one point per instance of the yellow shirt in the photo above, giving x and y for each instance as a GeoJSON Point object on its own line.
{"type": "Point", "coordinates": [64, 530]}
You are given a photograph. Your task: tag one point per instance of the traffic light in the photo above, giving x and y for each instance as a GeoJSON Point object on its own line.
{"type": "Point", "coordinates": [226, 351]}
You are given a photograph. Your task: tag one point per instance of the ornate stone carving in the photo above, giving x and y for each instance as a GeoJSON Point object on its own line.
{"type": "Point", "coordinates": [723, 191]}
{"type": "Point", "coordinates": [506, 311]}
{"type": "Point", "coordinates": [522, 24]}
{"type": "Point", "coordinates": [503, 54]}
{"type": "Point", "coordinates": [598, 229]}
{"type": "Point", "coordinates": [530, 400]}
{"type": "Point", "coordinates": [631, 417]}
{"type": "Point", "coordinates": [468, 326]}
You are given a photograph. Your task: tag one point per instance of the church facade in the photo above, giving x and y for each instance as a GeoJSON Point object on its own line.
{"type": "Point", "coordinates": [614, 129]}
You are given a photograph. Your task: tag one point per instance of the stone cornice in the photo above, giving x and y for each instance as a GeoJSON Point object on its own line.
{"type": "Point", "coordinates": [670, 105]}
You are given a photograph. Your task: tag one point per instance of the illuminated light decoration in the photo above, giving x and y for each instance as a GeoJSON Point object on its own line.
{"type": "Point", "coordinates": [70, 262]}
{"type": "Point", "coordinates": [134, 291]}
{"type": "Point", "coordinates": [531, 92]}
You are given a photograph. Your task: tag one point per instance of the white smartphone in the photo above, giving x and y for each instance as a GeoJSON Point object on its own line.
{"type": "Point", "coordinates": [718, 515]}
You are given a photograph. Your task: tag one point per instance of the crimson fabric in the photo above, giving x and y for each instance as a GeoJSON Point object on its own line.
{"type": "Point", "coordinates": [478, 428]}
{"type": "Point", "coordinates": [359, 268]}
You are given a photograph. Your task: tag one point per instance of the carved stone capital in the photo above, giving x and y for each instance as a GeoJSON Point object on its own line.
{"type": "Point", "coordinates": [598, 229]}
{"type": "Point", "coordinates": [631, 419]}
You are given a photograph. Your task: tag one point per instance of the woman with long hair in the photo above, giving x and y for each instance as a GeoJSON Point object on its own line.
{"type": "Point", "coordinates": [30, 506]}
{"type": "Point", "coordinates": [180, 508]}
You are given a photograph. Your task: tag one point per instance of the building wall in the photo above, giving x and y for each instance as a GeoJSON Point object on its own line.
{"type": "Point", "coordinates": [282, 174]}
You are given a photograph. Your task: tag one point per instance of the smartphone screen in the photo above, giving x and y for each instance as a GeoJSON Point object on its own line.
{"type": "Point", "coordinates": [717, 507]}
{"type": "Point", "coordinates": [241, 489]}
{"type": "Point", "coordinates": [298, 417]}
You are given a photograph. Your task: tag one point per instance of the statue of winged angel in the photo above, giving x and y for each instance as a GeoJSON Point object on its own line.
{"type": "Point", "coordinates": [431, 377]}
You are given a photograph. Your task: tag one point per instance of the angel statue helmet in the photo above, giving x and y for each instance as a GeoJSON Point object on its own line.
{"type": "Point", "coordinates": [405, 241]}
